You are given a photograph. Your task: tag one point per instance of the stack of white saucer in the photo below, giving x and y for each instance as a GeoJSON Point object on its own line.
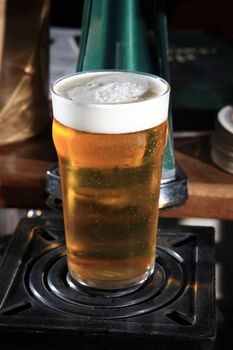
{"type": "Point", "coordinates": [222, 140]}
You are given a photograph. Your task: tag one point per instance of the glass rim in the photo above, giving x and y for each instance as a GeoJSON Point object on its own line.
{"type": "Point", "coordinates": [108, 105]}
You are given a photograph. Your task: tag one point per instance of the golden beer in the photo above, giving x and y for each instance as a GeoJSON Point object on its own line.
{"type": "Point", "coordinates": [110, 190]}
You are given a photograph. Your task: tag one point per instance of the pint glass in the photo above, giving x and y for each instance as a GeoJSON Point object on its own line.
{"type": "Point", "coordinates": [109, 130]}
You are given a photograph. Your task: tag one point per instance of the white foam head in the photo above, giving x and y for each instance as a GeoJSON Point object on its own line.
{"type": "Point", "coordinates": [110, 102]}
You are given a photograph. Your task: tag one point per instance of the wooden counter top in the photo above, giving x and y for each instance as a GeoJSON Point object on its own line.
{"type": "Point", "coordinates": [210, 188]}
{"type": "Point", "coordinates": [24, 165]}
{"type": "Point", "coordinates": [23, 169]}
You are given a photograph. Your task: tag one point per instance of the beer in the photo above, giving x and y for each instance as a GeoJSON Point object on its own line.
{"type": "Point", "coordinates": [110, 173]}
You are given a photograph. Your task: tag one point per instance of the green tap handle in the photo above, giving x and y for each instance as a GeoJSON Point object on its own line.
{"type": "Point", "coordinates": [128, 35]}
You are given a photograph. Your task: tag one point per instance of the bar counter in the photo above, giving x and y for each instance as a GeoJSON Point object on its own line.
{"type": "Point", "coordinates": [24, 165]}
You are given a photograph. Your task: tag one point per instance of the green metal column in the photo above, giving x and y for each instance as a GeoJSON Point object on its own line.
{"type": "Point", "coordinates": [128, 35]}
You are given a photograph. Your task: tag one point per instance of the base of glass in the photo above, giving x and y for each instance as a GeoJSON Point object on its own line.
{"type": "Point", "coordinates": [120, 287]}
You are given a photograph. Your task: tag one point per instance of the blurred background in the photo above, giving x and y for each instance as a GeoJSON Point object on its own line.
{"type": "Point", "coordinates": [212, 16]}
{"type": "Point", "coordinates": [200, 56]}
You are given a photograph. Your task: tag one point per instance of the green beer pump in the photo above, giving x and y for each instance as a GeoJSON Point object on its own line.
{"type": "Point", "coordinates": [132, 35]}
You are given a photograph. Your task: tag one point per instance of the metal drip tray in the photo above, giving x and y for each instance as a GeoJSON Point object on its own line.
{"type": "Point", "coordinates": [41, 304]}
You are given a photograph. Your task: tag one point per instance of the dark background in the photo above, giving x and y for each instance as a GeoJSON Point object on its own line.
{"type": "Point", "coordinates": [214, 16]}
{"type": "Point", "coordinates": [200, 86]}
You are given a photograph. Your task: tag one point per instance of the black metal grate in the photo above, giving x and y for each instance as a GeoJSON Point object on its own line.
{"type": "Point", "coordinates": [175, 307]}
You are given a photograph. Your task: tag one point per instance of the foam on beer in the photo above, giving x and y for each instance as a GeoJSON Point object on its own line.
{"type": "Point", "coordinates": [110, 102]}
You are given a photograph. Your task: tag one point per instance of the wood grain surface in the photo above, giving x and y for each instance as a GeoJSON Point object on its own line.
{"type": "Point", "coordinates": [210, 188]}
{"type": "Point", "coordinates": [24, 165]}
